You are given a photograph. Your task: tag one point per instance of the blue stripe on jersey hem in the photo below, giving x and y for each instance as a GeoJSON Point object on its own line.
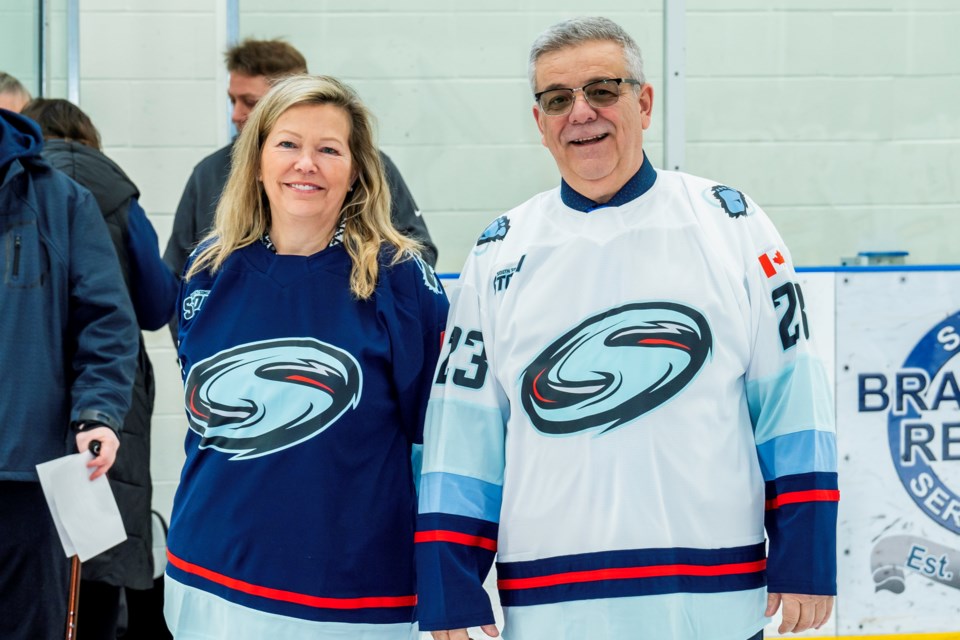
{"type": "Point", "coordinates": [618, 587]}
{"type": "Point", "coordinates": [630, 558]}
{"type": "Point", "coordinates": [800, 452]}
{"type": "Point", "coordinates": [632, 588]}
{"type": "Point", "coordinates": [460, 495]}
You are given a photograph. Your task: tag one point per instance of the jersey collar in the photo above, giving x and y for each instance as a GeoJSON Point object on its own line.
{"type": "Point", "coordinates": [635, 187]}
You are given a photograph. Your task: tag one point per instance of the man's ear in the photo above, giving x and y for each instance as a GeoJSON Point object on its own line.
{"type": "Point", "coordinates": [646, 104]}
{"type": "Point", "coordinates": [538, 116]}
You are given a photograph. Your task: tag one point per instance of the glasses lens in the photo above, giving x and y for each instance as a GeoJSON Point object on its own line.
{"type": "Point", "coordinates": [602, 94]}
{"type": "Point", "coordinates": [556, 102]}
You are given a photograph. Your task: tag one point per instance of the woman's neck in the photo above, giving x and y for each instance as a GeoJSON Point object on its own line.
{"type": "Point", "coordinates": [301, 238]}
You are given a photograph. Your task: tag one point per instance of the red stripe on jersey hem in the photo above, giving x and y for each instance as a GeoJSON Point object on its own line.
{"type": "Point", "coordinates": [291, 596]}
{"type": "Point", "coordinates": [455, 537]}
{"type": "Point", "coordinates": [631, 573]}
{"type": "Point", "coordinates": [813, 495]}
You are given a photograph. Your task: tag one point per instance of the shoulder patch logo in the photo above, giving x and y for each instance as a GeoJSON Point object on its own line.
{"type": "Point", "coordinates": [497, 230]}
{"type": "Point", "coordinates": [429, 276]}
{"type": "Point", "coordinates": [730, 200]}
{"type": "Point", "coordinates": [193, 302]}
{"type": "Point", "coordinates": [502, 279]}
{"type": "Point", "coordinates": [263, 397]}
{"type": "Point", "coordinates": [614, 367]}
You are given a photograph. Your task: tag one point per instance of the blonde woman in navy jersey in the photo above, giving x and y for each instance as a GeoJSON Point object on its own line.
{"type": "Point", "coordinates": [309, 330]}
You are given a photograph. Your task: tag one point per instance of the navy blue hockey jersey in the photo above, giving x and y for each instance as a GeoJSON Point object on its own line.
{"type": "Point", "coordinates": [295, 511]}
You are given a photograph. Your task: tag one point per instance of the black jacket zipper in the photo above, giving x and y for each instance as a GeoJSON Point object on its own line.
{"type": "Point", "coordinates": [16, 257]}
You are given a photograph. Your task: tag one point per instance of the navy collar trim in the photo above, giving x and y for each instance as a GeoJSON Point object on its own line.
{"type": "Point", "coordinates": [635, 187]}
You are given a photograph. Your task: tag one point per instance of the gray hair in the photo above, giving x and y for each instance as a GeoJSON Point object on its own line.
{"type": "Point", "coordinates": [9, 84]}
{"type": "Point", "coordinates": [576, 31]}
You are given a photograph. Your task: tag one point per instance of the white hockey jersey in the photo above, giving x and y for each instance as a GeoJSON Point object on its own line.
{"type": "Point", "coordinates": [627, 396]}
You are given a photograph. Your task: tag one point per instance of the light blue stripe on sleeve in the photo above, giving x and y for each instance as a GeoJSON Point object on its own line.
{"type": "Point", "coordinates": [798, 398]}
{"type": "Point", "coordinates": [460, 496]}
{"type": "Point", "coordinates": [464, 438]}
{"type": "Point", "coordinates": [800, 452]}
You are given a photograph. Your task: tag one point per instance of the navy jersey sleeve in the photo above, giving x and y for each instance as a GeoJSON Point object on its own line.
{"type": "Point", "coordinates": [791, 408]}
{"type": "Point", "coordinates": [463, 468]}
{"type": "Point", "coordinates": [102, 322]}
{"type": "Point", "coordinates": [153, 287]}
{"type": "Point", "coordinates": [416, 349]}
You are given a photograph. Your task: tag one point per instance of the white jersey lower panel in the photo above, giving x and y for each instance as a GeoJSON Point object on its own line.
{"type": "Point", "coordinates": [193, 614]}
{"type": "Point", "coordinates": [677, 616]}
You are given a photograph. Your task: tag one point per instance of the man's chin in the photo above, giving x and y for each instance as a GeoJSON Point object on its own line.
{"type": "Point", "coordinates": [591, 171]}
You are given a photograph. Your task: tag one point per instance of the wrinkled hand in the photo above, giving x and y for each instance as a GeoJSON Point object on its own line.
{"type": "Point", "coordinates": [109, 443]}
{"type": "Point", "coordinates": [461, 634]}
{"type": "Point", "coordinates": [800, 612]}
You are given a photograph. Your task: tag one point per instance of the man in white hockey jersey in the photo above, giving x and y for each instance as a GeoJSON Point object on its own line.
{"type": "Point", "coordinates": [628, 397]}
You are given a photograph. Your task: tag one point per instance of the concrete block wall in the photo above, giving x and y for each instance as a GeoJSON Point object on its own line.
{"type": "Point", "coordinates": [838, 116]}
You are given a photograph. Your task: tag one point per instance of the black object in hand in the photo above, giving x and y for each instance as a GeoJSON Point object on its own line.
{"type": "Point", "coordinates": [94, 447]}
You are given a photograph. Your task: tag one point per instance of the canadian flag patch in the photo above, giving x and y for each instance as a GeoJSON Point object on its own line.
{"type": "Point", "coordinates": [771, 263]}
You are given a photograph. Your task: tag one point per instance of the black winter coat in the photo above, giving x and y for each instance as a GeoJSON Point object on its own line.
{"type": "Point", "coordinates": [129, 564]}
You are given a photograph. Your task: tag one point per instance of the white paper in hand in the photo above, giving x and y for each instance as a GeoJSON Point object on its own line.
{"type": "Point", "coordinates": [84, 511]}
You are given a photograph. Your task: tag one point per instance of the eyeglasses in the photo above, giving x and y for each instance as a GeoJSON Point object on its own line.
{"type": "Point", "coordinates": [599, 93]}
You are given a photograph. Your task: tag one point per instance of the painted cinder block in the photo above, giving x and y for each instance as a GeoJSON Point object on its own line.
{"type": "Point", "coordinates": [169, 393]}
{"type": "Point", "coordinates": [155, 113]}
{"type": "Point", "coordinates": [141, 45]}
{"type": "Point", "coordinates": [17, 50]}
{"type": "Point", "coordinates": [841, 173]}
{"type": "Point", "coordinates": [735, 6]}
{"type": "Point", "coordinates": [160, 173]}
{"type": "Point", "coordinates": [163, 493]}
{"type": "Point", "coordinates": [147, 6]}
{"type": "Point", "coordinates": [166, 442]}
{"type": "Point", "coordinates": [811, 232]}
{"type": "Point", "coordinates": [466, 177]}
{"type": "Point", "coordinates": [931, 41]}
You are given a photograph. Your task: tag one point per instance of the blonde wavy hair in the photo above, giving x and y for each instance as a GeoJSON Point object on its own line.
{"type": "Point", "coordinates": [243, 214]}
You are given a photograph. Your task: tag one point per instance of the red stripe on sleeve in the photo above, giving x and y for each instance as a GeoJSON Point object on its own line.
{"type": "Point", "coordinates": [291, 596]}
{"type": "Point", "coordinates": [458, 538]}
{"type": "Point", "coordinates": [813, 495]}
{"type": "Point", "coordinates": [629, 573]}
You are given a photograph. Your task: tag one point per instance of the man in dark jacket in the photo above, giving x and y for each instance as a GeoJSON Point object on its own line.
{"type": "Point", "coordinates": [68, 340]}
{"type": "Point", "coordinates": [253, 66]}
{"type": "Point", "coordinates": [73, 146]}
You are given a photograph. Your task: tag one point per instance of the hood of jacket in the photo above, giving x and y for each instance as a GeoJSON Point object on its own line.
{"type": "Point", "coordinates": [20, 138]}
{"type": "Point", "coordinates": [95, 171]}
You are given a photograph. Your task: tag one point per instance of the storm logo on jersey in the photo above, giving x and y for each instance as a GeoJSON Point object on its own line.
{"type": "Point", "coordinates": [264, 397]}
{"type": "Point", "coordinates": [731, 200]}
{"type": "Point", "coordinates": [496, 230]}
{"type": "Point", "coordinates": [614, 367]}
{"type": "Point", "coordinates": [429, 276]}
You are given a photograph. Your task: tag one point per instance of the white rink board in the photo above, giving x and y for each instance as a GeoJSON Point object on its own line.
{"type": "Point", "coordinates": [881, 318]}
